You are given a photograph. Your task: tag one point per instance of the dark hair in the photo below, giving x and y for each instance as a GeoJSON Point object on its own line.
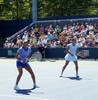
{"type": "Point", "coordinates": [73, 39]}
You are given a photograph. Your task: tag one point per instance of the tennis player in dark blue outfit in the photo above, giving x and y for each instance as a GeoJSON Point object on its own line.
{"type": "Point", "coordinates": [23, 54]}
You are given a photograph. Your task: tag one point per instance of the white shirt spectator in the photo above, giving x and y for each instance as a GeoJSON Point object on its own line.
{"type": "Point", "coordinates": [44, 41]}
{"type": "Point", "coordinates": [16, 45]}
{"type": "Point", "coordinates": [25, 36]}
{"type": "Point", "coordinates": [96, 38]}
{"type": "Point", "coordinates": [39, 42]}
{"type": "Point", "coordinates": [91, 32]}
{"type": "Point", "coordinates": [91, 27]}
{"type": "Point", "coordinates": [7, 44]}
{"type": "Point", "coordinates": [53, 44]}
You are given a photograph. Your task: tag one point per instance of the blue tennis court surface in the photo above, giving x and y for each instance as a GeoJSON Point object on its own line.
{"type": "Point", "coordinates": [52, 87]}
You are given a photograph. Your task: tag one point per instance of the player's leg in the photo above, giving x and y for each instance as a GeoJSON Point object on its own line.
{"type": "Point", "coordinates": [20, 70]}
{"type": "Point", "coordinates": [76, 68]}
{"type": "Point", "coordinates": [64, 67]}
{"type": "Point", "coordinates": [29, 69]}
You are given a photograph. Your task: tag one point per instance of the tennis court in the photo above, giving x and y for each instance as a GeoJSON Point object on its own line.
{"type": "Point", "coordinates": [52, 87]}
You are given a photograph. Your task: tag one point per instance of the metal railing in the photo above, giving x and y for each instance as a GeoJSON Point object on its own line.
{"type": "Point", "coordinates": [21, 32]}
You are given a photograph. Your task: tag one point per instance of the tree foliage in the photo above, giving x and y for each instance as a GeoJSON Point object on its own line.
{"type": "Point", "coordinates": [22, 9]}
{"type": "Point", "coordinates": [15, 9]}
{"type": "Point", "coordinates": [67, 7]}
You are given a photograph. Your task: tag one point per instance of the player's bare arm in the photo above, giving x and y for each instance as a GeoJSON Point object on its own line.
{"type": "Point", "coordinates": [67, 50]}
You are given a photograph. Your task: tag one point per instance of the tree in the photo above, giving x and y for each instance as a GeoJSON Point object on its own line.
{"type": "Point", "coordinates": [22, 9]}
{"type": "Point", "coordinates": [15, 9]}
{"type": "Point", "coordinates": [66, 7]}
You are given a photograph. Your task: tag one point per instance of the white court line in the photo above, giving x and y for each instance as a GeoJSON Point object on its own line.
{"type": "Point", "coordinates": [22, 97]}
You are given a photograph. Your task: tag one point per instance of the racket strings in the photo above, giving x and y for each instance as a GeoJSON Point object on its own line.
{"type": "Point", "coordinates": [36, 56]}
{"type": "Point", "coordinates": [83, 53]}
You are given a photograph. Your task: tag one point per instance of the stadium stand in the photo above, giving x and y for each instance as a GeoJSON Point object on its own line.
{"type": "Point", "coordinates": [57, 33]}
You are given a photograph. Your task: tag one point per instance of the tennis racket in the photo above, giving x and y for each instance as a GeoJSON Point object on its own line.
{"type": "Point", "coordinates": [36, 56]}
{"type": "Point", "coordinates": [83, 53]}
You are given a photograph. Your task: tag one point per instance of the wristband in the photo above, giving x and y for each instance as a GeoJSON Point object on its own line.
{"type": "Point", "coordinates": [21, 61]}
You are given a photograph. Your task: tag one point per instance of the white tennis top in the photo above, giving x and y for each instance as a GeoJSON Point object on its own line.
{"type": "Point", "coordinates": [72, 49]}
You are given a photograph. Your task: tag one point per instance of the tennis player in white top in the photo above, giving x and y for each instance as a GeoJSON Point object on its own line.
{"type": "Point", "coordinates": [71, 50]}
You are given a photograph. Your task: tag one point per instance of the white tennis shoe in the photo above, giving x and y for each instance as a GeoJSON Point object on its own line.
{"type": "Point", "coordinates": [16, 87]}
{"type": "Point", "coordinates": [77, 76]}
{"type": "Point", "coordinates": [35, 86]}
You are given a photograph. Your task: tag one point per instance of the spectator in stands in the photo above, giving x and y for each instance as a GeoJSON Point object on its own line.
{"type": "Point", "coordinates": [42, 36]}
{"type": "Point", "coordinates": [25, 36]}
{"type": "Point", "coordinates": [53, 44]}
{"type": "Point", "coordinates": [46, 30]}
{"type": "Point", "coordinates": [33, 41]}
{"type": "Point", "coordinates": [50, 29]}
{"type": "Point", "coordinates": [55, 35]}
{"type": "Point", "coordinates": [96, 40]}
{"type": "Point", "coordinates": [76, 27]}
{"type": "Point", "coordinates": [90, 40]}
{"type": "Point", "coordinates": [36, 31]}
{"type": "Point", "coordinates": [65, 29]}
{"type": "Point", "coordinates": [62, 39]}
{"type": "Point", "coordinates": [16, 45]}
{"type": "Point", "coordinates": [45, 35]}
{"type": "Point", "coordinates": [44, 41]}
{"type": "Point", "coordinates": [82, 40]}
{"type": "Point", "coordinates": [90, 27]}
{"type": "Point", "coordinates": [91, 32]}
{"type": "Point", "coordinates": [31, 31]}
{"type": "Point", "coordinates": [82, 27]}
{"type": "Point", "coordinates": [41, 30]}
{"type": "Point", "coordinates": [41, 49]}
{"type": "Point", "coordinates": [39, 42]}
{"type": "Point", "coordinates": [49, 36]}
{"type": "Point", "coordinates": [87, 28]}
{"type": "Point", "coordinates": [6, 44]}
{"type": "Point", "coordinates": [19, 41]}
{"type": "Point", "coordinates": [11, 44]}
{"type": "Point", "coordinates": [57, 29]}
{"type": "Point", "coordinates": [95, 28]}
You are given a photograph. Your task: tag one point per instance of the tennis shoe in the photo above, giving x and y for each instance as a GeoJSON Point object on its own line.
{"type": "Point", "coordinates": [77, 76]}
{"type": "Point", "coordinates": [35, 86]}
{"type": "Point", "coordinates": [60, 75]}
{"type": "Point", "coordinates": [16, 87]}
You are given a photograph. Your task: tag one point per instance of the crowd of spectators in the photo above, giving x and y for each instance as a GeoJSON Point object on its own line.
{"type": "Point", "coordinates": [54, 37]}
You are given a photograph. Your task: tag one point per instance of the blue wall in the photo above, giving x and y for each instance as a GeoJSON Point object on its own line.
{"type": "Point", "coordinates": [50, 52]}
{"type": "Point", "coordinates": [8, 28]}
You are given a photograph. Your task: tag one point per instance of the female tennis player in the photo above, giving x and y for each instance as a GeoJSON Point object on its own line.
{"type": "Point", "coordinates": [71, 50]}
{"type": "Point", "coordinates": [23, 54]}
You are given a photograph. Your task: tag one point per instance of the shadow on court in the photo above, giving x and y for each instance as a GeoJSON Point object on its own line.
{"type": "Point", "coordinates": [24, 91]}
{"type": "Point", "coordinates": [73, 78]}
